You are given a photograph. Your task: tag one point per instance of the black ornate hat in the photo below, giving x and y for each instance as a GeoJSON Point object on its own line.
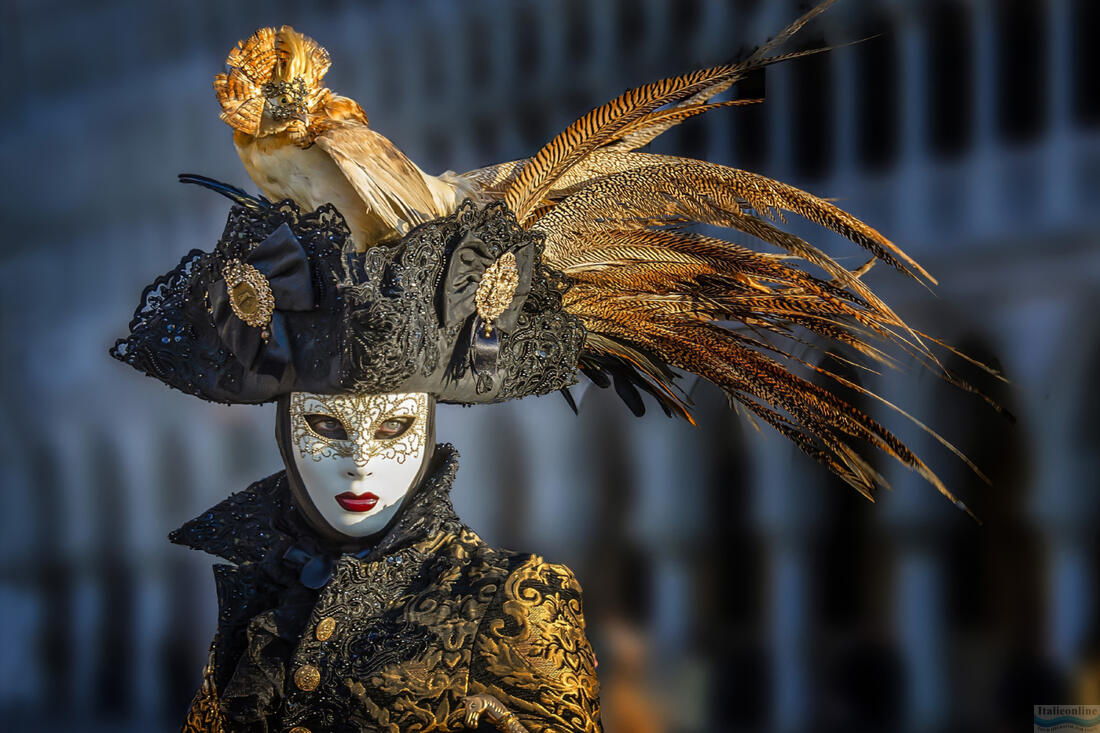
{"type": "Point", "coordinates": [462, 307]}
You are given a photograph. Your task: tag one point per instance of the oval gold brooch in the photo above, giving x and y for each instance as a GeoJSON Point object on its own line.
{"type": "Point", "coordinates": [250, 294]}
{"type": "Point", "coordinates": [496, 290]}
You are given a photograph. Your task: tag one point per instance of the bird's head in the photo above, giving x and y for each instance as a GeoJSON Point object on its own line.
{"type": "Point", "coordinates": [272, 83]}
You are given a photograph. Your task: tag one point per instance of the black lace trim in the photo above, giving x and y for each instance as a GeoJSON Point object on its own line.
{"type": "Point", "coordinates": [173, 338]}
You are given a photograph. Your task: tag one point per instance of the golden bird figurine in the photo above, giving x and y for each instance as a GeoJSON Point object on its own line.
{"type": "Point", "coordinates": [299, 140]}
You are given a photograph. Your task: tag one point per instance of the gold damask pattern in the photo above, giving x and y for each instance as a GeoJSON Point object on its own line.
{"type": "Point", "coordinates": [361, 416]}
{"type": "Point", "coordinates": [404, 655]}
{"type": "Point", "coordinates": [517, 637]}
{"type": "Point", "coordinates": [457, 619]}
{"type": "Point", "coordinates": [204, 715]}
{"type": "Point", "coordinates": [534, 656]}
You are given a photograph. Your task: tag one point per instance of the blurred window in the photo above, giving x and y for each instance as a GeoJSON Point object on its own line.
{"type": "Point", "coordinates": [481, 62]}
{"type": "Point", "coordinates": [631, 25]}
{"type": "Point", "coordinates": [1021, 28]}
{"type": "Point", "coordinates": [578, 33]}
{"type": "Point", "coordinates": [813, 114]}
{"type": "Point", "coordinates": [527, 43]}
{"type": "Point", "coordinates": [114, 641]}
{"type": "Point", "coordinates": [749, 125]}
{"type": "Point", "coordinates": [877, 67]}
{"type": "Point", "coordinates": [433, 75]}
{"type": "Point", "coordinates": [848, 570]}
{"type": "Point", "coordinates": [683, 24]}
{"type": "Point", "coordinates": [1086, 55]}
{"type": "Point", "coordinates": [485, 138]}
{"type": "Point", "coordinates": [950, 78]}
{"type": "Point", "coordinates": [535, 124]}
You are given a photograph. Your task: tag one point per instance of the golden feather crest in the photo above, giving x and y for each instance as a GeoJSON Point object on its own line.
{"type": "Point", "coordinates": [266, 58]}
{"type": "Point", "coordinates": [249, 65]}
{"type": "Point", "coordinates": [299, 56]}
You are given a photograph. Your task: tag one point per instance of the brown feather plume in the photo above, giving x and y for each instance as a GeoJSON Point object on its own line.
{"type": "Point", "coordinates": [656, 296]}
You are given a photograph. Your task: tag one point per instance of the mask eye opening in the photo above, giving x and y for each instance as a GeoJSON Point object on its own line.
{"type": "Point", "coordinates": [393, 427]}
{"type": "Point", "coordinates": [326, 427]}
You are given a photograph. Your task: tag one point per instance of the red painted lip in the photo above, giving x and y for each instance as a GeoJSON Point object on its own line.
{"type": "Point", "coordinates": [357, 502]}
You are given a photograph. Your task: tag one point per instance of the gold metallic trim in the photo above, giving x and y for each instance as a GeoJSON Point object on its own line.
{"type": "Point", "coordinates": [361, 416]}
{"type": "Point", "coordinates": [495, 712]}
{"type": "Point", "coordinates": [205, 715]}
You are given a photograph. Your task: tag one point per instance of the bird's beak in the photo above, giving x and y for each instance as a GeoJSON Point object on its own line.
{"type": "Point", "coordinates": [302, 117]}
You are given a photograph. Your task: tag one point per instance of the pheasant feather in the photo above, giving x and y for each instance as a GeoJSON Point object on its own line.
{"type": "Point", "coordinates": [659, 298]}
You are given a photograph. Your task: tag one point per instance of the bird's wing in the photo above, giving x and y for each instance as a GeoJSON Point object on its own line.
{"type": "Point", "coordinates": [390, 184]}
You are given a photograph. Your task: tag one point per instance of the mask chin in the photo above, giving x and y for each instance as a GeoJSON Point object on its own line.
{"type": "Point", "coordinates": [306, 500]}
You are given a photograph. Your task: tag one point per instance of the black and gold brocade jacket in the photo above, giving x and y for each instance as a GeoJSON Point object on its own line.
{"type": "Point", "coordinates": [399, 634]}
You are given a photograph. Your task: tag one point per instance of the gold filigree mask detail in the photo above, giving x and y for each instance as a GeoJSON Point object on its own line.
{"type": "Point", "coordinates": [363, 417]}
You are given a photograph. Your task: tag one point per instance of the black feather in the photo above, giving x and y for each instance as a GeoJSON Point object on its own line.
{"type": "Point", "coordinates": [569, 399]}
{"type": "Point", "coordinates": [597, 375]}
{"type": "Point", "coordinates": [237, 195]}
{"type": "Point", "coordinates": [629, 393]}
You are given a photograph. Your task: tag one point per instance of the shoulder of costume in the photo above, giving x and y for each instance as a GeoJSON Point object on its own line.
{"type": "Point", "coordinates": [244, 527]}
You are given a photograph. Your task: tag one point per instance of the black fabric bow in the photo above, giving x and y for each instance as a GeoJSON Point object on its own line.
{"type": "Point", "coordinates": [469, 261]}
{"type": "Point", "coordinates": [281, 259]}
{"type": "Point", "coordinates": [314, 566]}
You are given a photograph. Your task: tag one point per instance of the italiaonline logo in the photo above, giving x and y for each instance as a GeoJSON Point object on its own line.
{"type": "Point", "coordinates": [1067, 717]}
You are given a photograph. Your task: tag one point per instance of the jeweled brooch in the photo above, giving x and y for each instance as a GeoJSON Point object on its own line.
{"type": "Point", "coordinates": [496, 290]}
{"type": "Point", "coordinates": [250, 294]}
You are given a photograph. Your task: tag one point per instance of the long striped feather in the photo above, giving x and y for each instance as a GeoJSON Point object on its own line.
{"type": "Point", "coordinates": [602, 124]}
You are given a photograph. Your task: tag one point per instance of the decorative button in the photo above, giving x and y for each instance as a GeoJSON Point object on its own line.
{"type": "Point", "coordinates": [299, 729]}
{"type": "Point", "coordinates": [325, 627]}
{"type": "Point", "coordinates": [307, 678]}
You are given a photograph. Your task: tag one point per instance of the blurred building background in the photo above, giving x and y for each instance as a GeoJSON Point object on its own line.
{"type": "Point", "coordinates": [731, 585]}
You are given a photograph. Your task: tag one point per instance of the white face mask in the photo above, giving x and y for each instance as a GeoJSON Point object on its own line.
{"type": "Point", "coordinates": [359, 455]}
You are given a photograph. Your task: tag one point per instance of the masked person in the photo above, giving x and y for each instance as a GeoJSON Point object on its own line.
{"type": "Point", "coordinates": [354, 598]}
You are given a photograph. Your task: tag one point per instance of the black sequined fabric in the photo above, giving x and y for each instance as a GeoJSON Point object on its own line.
{"type": "Point", "coordinates": [377, 325]}
{"type": "Point", "coordinates": [402, 632]}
